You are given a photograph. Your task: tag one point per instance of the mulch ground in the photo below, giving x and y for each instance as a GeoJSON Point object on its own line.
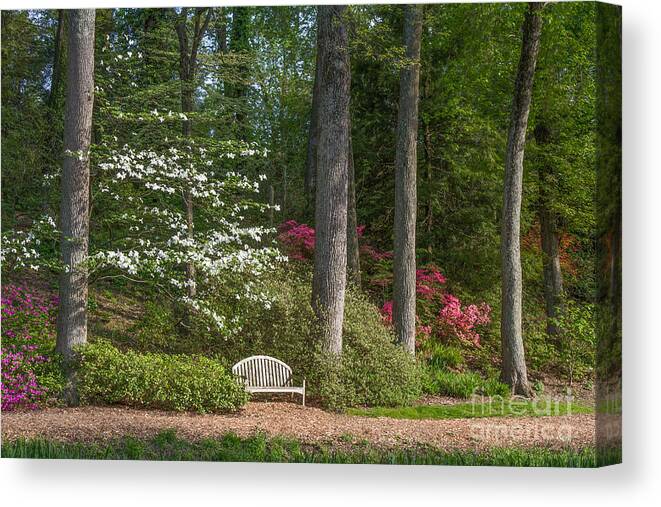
{"type": "Point", "coordinates": [309, 425]}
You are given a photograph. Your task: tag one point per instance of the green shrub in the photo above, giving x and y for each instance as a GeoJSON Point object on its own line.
{"type": "Point", "coordinates": [463, 385]}
{"type": "Point", "coordinates": [171, 382]}
{"type": "Point", "coordinates": [443, 357]}
{"type": "Point", "coordinates": [372, 370]}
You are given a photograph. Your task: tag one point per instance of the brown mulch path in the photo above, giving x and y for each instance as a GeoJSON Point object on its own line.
{"type": "Point", "coordinates": [309, 425]}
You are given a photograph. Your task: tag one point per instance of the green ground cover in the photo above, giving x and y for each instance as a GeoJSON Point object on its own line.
{"type": "Point", "coordinates": [167, 446]}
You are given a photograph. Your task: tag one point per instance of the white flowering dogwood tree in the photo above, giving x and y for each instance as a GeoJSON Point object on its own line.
{"type": "Point", "coordinates": [138, 193]}
{"type": "Point", "coordinates": [143, 191]}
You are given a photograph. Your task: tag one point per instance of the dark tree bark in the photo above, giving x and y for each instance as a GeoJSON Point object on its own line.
{"type": "Point", "coordinates": [353, 247]}
{"type": "Point", "coordinates": [188, 50]}
{"type": "Point", "coordinates": [550, 237]}
{"type": "Point", "coordinates": [271, 205]}
{"type": "Point", "coordinates": [330, 257]}
{"type": "Point", "coordinates": [221, 30]}
{"type": "Point", "coordinates": [313, 132]}
{"type": "Point", "coordinates": [514, 372]}
{"type": "Point", "coordinates": [58, 59]}
{"type": "Point", "coordinates": [429, 174]}
{"type": "Point", "coordinates": [405, 183]}
{"type": "Point", "coordinates": [609, 202]}
{"type": "Point", "coordinates": [240, 43]}
{"type": "Point", "coordinates": [74, 208]}
{"type": "Point", "coordinates": [609, 231]}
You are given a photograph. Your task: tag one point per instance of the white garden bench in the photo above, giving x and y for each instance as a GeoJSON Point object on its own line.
{"type": "Point", "coordinates": [265, 374]}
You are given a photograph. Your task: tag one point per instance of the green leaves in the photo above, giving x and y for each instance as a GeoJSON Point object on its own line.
{"type": "Point", "coordinates": [171, 382]}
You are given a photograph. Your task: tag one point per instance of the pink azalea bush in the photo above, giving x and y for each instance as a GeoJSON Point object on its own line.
{"type": "Point", "coordinates": [27, 325]}
{"type": "Point", "coordinates": [297, 239]}
{"type": "Point", "coordinates": [461, 322]}
{"type": "Point", "coordinates": [440, 314]}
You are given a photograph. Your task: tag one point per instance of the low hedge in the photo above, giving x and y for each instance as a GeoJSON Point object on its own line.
{"type": "Point", "coordinates": [108, 375]}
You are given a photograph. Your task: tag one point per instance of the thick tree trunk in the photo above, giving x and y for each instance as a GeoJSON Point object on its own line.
{"type": "Point", "coordinates": [330, 258]}
{"type": "Point", "coordinates": [353, 247]}
{"type": "Point", "coordinates": [405, 183]}
{"type": "Point", "coordinates": [550, 239]}
{"type": "Point", "coordinates": [313, 132]}
{"type": "Point", "coordinates": [514, 371]}
{"type": "Point", "coordinates": [74, 208]}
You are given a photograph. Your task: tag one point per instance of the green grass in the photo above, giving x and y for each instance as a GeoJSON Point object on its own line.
{"type": "Point", "coordinates": [463, 385]}
{"type": "Point", "coordinates": [167, 446]}
{"type": "Point", "coordinates": [497, 408]}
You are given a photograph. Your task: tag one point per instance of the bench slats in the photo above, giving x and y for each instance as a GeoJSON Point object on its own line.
{"type": "Point", "coordinates": [267, 374]}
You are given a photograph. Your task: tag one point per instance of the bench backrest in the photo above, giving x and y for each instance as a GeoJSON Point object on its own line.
{"type": "Point", "coordinates": [263, 371]}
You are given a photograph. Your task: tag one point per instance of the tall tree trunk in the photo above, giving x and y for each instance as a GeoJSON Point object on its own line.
{"type": "Point", "coordinates": [58, 58]}
{"type": "Point", "coordinates": [550, 237]}
{"type": "Point", "coordinates": [221, 30]}
{"type": "Point", "coordinates": [429, 174]}
{"type": "Point", "coordinates": [609, 230]}
{"type": "Point", "coordinates": [240, 43]}
{"type": "Point", "coordinates": [405, 183]}
{"type": "Point", "coordinates": [330, 257]}
{"type": "Point", "coordinates": [353, 248]}
{"type": "Point", "coordinates": [313, 131]}
{"type": "Point", "coordinates": [74, 208]}
{"type": "Point", "coordinates": [514, 372]}
{"type": "Point", "coordinates": [188, 50]}
{"type": "Point", "coordinates": [609, 193]}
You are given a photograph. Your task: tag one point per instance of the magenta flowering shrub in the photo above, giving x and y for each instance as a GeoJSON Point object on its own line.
{"type": "Point", "coordinates": [453, 320]}
{"type": "Point", "coordinates": [27, 329]}
{"type": "Point", "coordinates": [19, 382]}
{"type": "Point", "coordinates": [440, 313]}
{"type": "Point", "coordinates": [297, 239]}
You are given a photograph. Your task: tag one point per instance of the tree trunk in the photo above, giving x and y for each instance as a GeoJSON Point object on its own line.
{"type": "Point", "coordinates": [240, 43]}
{"type": "Point", "coordinates": [221, 30]}
{"type": "Point", "coordinates": [313, 132]}
{"type": "Point", "coordinates": [330, 258]}
{"type": "Point", "coordinates": [550, 238]}
{"type": "Point", "coordinates": [353, 248]}
{"type": "Point", "coordinates": [187, 70]}
{"type": "Point", "coordinates": [58, 57]}
{"type": "Point", "coordinates": [609, 197]}
{"type": "Point", "coordinates": [405, 183]}
{"type": "Point", "coordinates": [429, 174]}
{"type": "Point", "coordinates": [514, 372]}
{"type": "Point", "coordinates": [271, 205]}
{"type": "Point", "coordinates": [74, 208]}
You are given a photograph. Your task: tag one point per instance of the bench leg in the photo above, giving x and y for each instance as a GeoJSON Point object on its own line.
{"type": "Point", "coordinates": [303, 392]}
